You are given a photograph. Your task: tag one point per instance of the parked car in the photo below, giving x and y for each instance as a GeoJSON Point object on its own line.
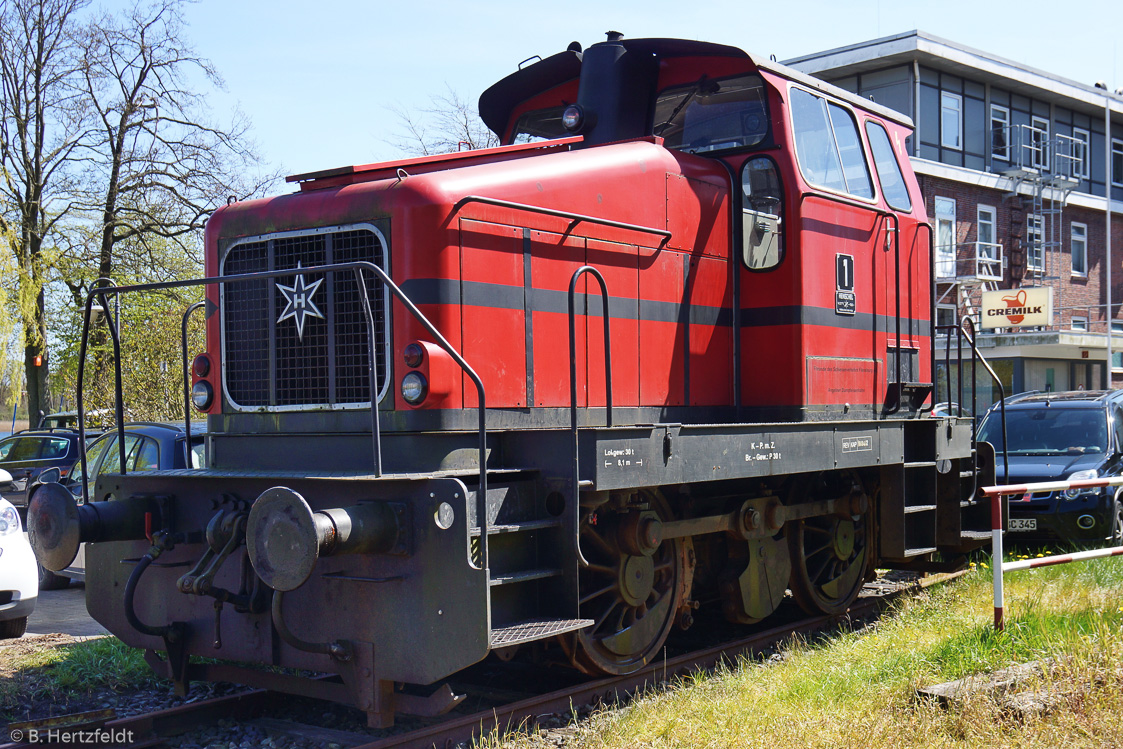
{"type": "Point", "coordinates": [946, 408]}
{"type": "Point", "coordinates": [26, 454]}
{"type": "Point", "coordinates": [69, 419]}
{"type": "Point", "coordinates": [1062, 436]}
{"type": "Point", "coordinates": [19, 585]}
{"type": "Point", "coordinates": [149, 446]}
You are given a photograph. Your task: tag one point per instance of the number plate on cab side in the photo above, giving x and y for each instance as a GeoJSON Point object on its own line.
{"type": "Point", "coordinates": [1023, 524]}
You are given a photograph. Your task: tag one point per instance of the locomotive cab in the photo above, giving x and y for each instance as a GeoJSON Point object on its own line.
{"type": "Point", "coordinates": [668, 346]}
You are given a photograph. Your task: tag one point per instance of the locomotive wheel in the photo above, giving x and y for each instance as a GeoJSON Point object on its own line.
{"type": "Point", "coordinates": [632, 599]}
{"type": "Point", "coordinates": [830, 556]}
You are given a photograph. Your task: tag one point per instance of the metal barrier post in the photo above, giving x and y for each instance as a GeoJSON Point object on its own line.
{"type": "Point", "coordinates": [996, 493]}
{"type": "Point", "coordinates": [996, 559]}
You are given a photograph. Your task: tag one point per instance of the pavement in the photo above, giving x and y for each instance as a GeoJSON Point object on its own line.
{"type": "Point", "coordinates": [63, 611]}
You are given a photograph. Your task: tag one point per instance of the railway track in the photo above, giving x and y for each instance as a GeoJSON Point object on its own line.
{"type": "Point", "coordinates": [156, 729]}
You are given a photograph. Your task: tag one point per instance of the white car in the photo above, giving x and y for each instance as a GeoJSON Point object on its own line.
{"type": "Point", "coordinates": [19, 573]}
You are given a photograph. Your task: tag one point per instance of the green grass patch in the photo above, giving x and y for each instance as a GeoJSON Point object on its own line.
{"type": "Point", "coordinates": [78, 669]}
{"type": "Point", "coordinates": [858, 688]}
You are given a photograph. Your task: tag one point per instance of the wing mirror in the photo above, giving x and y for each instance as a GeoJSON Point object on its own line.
{"type": "Point", "coordinates": [49, 476]}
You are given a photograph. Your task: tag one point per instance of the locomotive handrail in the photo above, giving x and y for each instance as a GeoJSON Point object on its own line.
{"type": "Point", "coordinates": [932, 307]}
{"type": "Point", "coordinates": [186, 389]}
{"type": "Point", "coordinates": [968, 329]}
{"type": "Point", "coordinates": [575, 218]}
{"type": "Point", "coordinates": [573, 374]}
{"type": "Point", "coordinates": [359, 265]}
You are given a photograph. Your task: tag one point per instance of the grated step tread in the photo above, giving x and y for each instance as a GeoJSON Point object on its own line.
{"type": "Point", "coordinates": [538, 629]}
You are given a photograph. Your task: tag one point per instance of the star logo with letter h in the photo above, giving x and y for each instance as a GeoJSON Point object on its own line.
{"type": "Point", "coordinates": [299, 304]}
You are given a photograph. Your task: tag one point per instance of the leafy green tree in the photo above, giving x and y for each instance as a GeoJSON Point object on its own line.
{"type": "Point", "coordinates": [43, 123]}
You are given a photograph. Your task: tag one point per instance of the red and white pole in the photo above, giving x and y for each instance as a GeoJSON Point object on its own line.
{"type": "Point", "coordinates": [996, 558]}
{"type": "Point", "coordinates": [996, 493]}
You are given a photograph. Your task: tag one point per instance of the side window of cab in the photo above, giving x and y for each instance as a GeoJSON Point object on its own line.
{"type": "Point", "coordinates": [762, 204]}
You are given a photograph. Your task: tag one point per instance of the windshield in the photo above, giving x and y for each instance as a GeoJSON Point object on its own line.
{"type": "Point", "coordinates": [713, 115]}
{"type": "Point", "coordinates": [1048, 431]}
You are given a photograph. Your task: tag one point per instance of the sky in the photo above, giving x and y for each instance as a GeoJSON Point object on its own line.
{"type": "Point", "coordinates": [318, 79]}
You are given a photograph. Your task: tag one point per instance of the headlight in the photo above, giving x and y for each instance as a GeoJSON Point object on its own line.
{"type": "Point", "coordinates": [413, 355]}
{"type": "Point", "coordinates": [201, 366]}
{"type": "Point", "coordinates": [9, 518]}
{"type": "Point", "coordinates": [414, 388]}
{"type": "Point", "coordinates": [1082, 476]}
{"type": "Point", "coordinates": [573, 118]}
{"type": "Point", "coordinates": [202, 394]}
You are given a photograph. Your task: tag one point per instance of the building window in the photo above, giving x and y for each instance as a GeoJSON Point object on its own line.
{"type": "Point", "coordinates": [951, 121]}
{"type": "Point", "coordinates": [1116, 354]}
{"type": "Point", "coordinates": [1078, 241]}
{"type": "Point", "coordinates": [945, 238]}
{"type": "Point", "coordinates": [1039, 142]}
{"type": "Point", "coordinates": [1117, 162]}
{"type": "Point", "coordinates": [1079, 323]}
{"type": "Point", "coordinates": [988, 254]}
{"type": "Point", "coordinates": [1035, 236]}
{"type": "Point", "coordinates": [1080, 151]}
{"type": "Point", "coordinates": [1000, 132]}
{"type": "Point", "coordinates": [947, 315]}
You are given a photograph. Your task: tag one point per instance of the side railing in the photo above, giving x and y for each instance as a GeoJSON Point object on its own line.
{"type": "Point", "coordinates": [965, 332]}
{"type": "Point", "coordinates": [358, 268]}
{"type": "Point", "coordinates": [576, 480]}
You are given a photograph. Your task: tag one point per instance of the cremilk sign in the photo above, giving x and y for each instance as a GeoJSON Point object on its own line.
{"type": "Point", "coordinates": [1015, 308]}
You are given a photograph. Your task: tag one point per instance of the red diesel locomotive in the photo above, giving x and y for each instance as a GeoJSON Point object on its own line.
{"type": "Point", "coordinates": [670, 346]}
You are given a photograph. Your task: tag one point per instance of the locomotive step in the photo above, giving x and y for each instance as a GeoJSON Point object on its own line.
{"type": "Point", "coordinates": [530, 525]}
{"type": "Point", "coordinates": [920, 508]}
{"type": "Point", "coordinates": [528, 631]}
{"type": "Point", "coordinates": [507, 578]}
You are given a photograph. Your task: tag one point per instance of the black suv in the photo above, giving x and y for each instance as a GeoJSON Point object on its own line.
{"type": "Point", "coordinates": [1065, 436]}
{"type": "Point", "coordinates": [26, 454]}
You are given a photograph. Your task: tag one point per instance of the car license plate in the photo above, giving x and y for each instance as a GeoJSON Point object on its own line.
{"type": "Point", "coordinates": [1023, 524]}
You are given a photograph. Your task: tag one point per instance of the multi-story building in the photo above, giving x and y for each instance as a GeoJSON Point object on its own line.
{"type": "Point", "coordinates": [1014, 164]}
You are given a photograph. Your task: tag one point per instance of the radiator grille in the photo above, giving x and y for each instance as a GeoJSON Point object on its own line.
{"type": "Point", "coordinates": [294, 342]}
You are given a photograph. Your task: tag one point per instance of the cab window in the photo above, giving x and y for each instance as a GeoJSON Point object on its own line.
{"type": "Point", "coordinates": [539, 125]}
{"type": "Point", "coordinates": [827, 145]}
{"type": "Point", "coordinates": [762, 199]}
{"type": "Point", "coordinates": [893, 185]}
{"type": "Point", "coordinates": [712, 115]}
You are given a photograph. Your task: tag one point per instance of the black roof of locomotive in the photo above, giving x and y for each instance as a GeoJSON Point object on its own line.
{"type": "Point", "coordinates": [502, 98]}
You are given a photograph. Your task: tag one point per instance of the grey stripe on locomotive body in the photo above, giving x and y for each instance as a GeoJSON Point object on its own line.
{"type": "Point", "coordinates": [502, 296]}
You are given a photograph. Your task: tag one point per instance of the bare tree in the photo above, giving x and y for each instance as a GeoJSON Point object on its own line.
{"type": "Point", "coordinates": [448, 124]}
{"type": "Point", "coordinates": [158, 166]}
{"type": "Point", "coordinates": [42, 123]}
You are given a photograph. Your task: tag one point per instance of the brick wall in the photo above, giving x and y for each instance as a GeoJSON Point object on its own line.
{"type": "Point", "coordinates": [1075, 295]}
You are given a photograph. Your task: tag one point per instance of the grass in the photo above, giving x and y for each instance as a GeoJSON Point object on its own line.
{"type": "Point", "coordinates": [858, 689]}
{"type": "Point", "coordinates": [77, 669]}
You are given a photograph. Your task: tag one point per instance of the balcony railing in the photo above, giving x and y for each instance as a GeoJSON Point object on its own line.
{"type": "Point", "coordinates": [979, 261]}
{"type": "Point", "coordinates": [1031, 148]}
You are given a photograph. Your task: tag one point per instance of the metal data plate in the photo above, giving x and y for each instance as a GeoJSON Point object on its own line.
{"type": "Point", "coordinates": [660, 455]}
